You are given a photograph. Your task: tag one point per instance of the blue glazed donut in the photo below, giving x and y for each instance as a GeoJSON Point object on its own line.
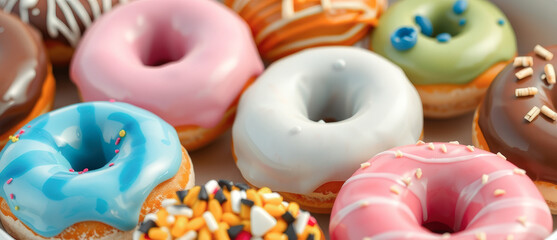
{"type": "Point", "coordinates": [95, 161]}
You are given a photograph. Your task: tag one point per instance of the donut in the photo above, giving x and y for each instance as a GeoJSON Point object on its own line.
{"type": "Point", "coordinates": [422, 191]}
{"type": "Point", "coordinates": [311, 114]}
{"type": "Point", "coordinates": [172, 62]}
{"type": "Point", "coordinates": [507, 121]}
{"type": "Point", "coordinates": [224, 210]}
{"type": "Point", "coordinates": [89, 170]}
{"type": "Point", "coordinates": [61, 23]}
{"type": "Point", "coordinates": [281, 28]}
{"type": "Point", "coordinates": [27, 85]}
{"type": "Point", "coordinates": [450, 50]}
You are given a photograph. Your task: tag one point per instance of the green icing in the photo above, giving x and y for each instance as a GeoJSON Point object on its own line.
{"type": "Point", "coordinates": [473, 48]}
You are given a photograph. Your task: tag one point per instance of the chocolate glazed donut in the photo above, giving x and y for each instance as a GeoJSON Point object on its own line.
{"type": "Point", "coordinates": [60, 21]}
{"type": "Point", "coordinates": [502, 126]}
{"type": "Point", "coordinates": [23, 69]}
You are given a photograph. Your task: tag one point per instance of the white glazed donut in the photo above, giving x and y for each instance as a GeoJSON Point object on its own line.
{"type": "Point", "coordinates": [280, 140]}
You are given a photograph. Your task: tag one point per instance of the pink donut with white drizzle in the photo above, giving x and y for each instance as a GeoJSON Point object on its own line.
{"type": "Point", "coordinates": [186, 61]}
{"type": "Point", "coordinates": [439, 191]}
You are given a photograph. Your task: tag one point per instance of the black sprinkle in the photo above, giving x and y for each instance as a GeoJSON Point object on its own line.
{"type": "Point", "coordinates": [287, 216]}
{"type": "Point", "coordinates": [247, 202]}
{"type": "Point", "coordinates": [225, 183]}
{"type": "Point", "coordinates": [220, 196]}
{"type": "Point", "coordinates": [242, 186]}
{"type": "Point", "coordinates": [182, 194]}
{"type": "Point", "coordinates": [310, 237]}
{"type": "Point", "coordinates": [178, 206]}
{"type": "Point", "coordinates": [203, 196]}
{"type": "Point", "coordinates": [145, 226]}
{"type": "Point", "coordinates": [290, 232]}
{"type": "Point", "coordinates": [235, 230]}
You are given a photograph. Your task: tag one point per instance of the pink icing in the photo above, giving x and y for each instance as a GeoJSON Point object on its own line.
{"type": "Point", "coordinates": [451, 187]}
{"type": "Point", "coordinates": [208, 51]}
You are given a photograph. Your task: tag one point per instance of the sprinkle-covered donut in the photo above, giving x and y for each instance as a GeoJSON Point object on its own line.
{"type": "Point", "coordinates": [283, 27]}
{"type": "Point", "coordinates": [89, 170]}
{"type": "Point", "coordinates": [224, 210]}
{"type": "Point", "coordinates": [439, 191]}
{"type": "Point", "coordinates": [27, 85]}
{"type": "Point", "coordinates": [170, 59]}
{"type": "Point", "coordinates": [61, 22]}
{"type": "Point", "coordinates": [450, 49]}
{"type": "Point", "coordinates": [517, 118]}
{"type": "Point", "coordinates": [311, 116]}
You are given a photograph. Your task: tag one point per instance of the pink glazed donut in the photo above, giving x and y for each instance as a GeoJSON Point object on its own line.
{"type": "Point", "coordinates": [186, 61]}
{"type": "Point", "coordinates": [439, 191]}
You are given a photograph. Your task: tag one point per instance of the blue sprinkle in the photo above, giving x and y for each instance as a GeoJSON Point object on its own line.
{"type": "Point", "coordinates": [443, 37]}
{"type": "Point", "coordinates": [426, 27]}
{"type": "Point", "coordinates": [462, 22]}
{"type": "Point", "coordinates": [460, 6]}
{"type": "Point", "coordinates": [404, 38]}
{"type": "Point", "coordinates": [501, 21]}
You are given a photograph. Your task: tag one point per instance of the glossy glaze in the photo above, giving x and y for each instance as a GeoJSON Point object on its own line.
{"type": "Point", "coordinates": [63, 21]}
{"type": "Point", "coordinates": [49, 196]}
{"type": "Point", "coordinates": [281, 27]}
{"type": "Point", "coordinates": [23, 68]}
{"type": "Point", "coordinates": [280, 137]}
{"type": "Point", "coordinates": [455, 187]}
{"type": "Point", "coordinates": [473, 48]}
{"type": "Point", "coordinates": [501, 120]}
{"type": "Point", "coordinates": [186, 61]}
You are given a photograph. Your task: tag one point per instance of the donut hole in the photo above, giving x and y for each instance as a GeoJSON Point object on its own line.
{"type": "Point", "coordinates": [330, 100]}
{"type": "Point", "coordinates": [89, 159]}
{"type": "Point", "coordinates": [438, 227]}
{"type": "Point", "coordinates": [443, 20]}
{"type": "Point", "coordinates": [163, 47]}
{"type": "Point", "coordinates": [85, 149]}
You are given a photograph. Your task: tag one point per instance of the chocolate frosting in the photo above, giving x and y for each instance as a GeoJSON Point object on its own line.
{"type": "Point", "coordinates": [529, 145]}
{"type": "Point", "coordinates": [23, 68]}
{"type": "Point", "coordinates": [59, 20]}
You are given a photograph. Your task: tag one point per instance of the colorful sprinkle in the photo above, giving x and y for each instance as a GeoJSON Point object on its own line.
{"type": "Point", "coordinates": [431, 146]}
{"type": "Point", "coordinates": [117, 141]}
{"type": "Point", "coordinates": [460, 6]}
{"type": "Point", "coordinates": [443, 37]}
{"type": "Point", "coordinates": [16, 208]}
{"type": "Point", "coordinates": [112, 100]}
{"type": "Point", "coordinates": [462, 22]}
{"type": "Point", "coordinates": [404, 38]}
{"type": "Point", "coordinates": [80, 172]}
{"type": "Point", "coordinates": [122, 133]}
{"type": "Point", "coordinates": [419, 173]}
{"type": "Point", "coordinates": [116, 151]}
{"type": "Point", "coordinates": [12, 196]}
{"type": "Point", "coordinates": [111, 164]}
{"type": "Point", "coordinates": [71, 170]}
{"type": "Point", "coordinates": [85, 170]}
{"type": "Point", "coordinates": [21, 131]}
{"type": "Point", "coordinates": [501, 21]}
{"type": "Point", "coordinates": [398, 154]}
{"type": "Point", "coordinates": [28, 126]}
{"type": "Point", "coordinates": [426, 28]}
{"type": "Point", "coordinates": [499, 154]}
{"type": "Point", "coordinates": [9, 181]}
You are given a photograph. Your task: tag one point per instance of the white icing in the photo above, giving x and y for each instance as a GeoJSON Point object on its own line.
{"type": "Point", "coordinates": [510, 203]}
{"type": "Point", "coordinates": [470, 191]}
{"type": "Point", "coordinates": [380, 108]}
{"type": "Point", "coordinates": [370, 201]}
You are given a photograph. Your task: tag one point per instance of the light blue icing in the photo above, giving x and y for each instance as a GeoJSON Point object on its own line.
{"type": "Point", "coordinates": [50, 198]}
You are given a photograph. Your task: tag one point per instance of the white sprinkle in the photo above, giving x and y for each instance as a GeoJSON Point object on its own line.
{"type": "Point", "coordinates": [446, 235]}
{"type": "Point", "coordinates": [170, 219]}
{"type": "Point", "coordinates": [485, 178]}
{"type": "Point", "coordinates": [443, 148]}
{"type": "Point", "coordinates": [418, 173]}
{"type": "Point", "coordinates": [420, 142]}
{"type": "Point", "coordinates": [150, 216]}
{"type": "Point", "coordinates": [542, 52]}
{"type": "Point", "coordinates": [431, 146]}
{"type": "Point", "coordinates": [454, 142]}
{"type": "Point", "coordinates": [364, 203]}
{"type": "Point", "coordinates": [269, 196]}
{"type": "Point", "coordinates": [525, 92]}
{"type": "Point", "coordinates": [470, 148]}
{"type": "Point", "coordinates": [190, 235]}
{"type": "Point", "coordinates": [510, 237]}
{"type": "Point", "coordinates": [301, 222]}
{"type": "Point", "coordinates": [235, 200]}
{"type": "Point", "coordinates": [532, 114]}
{"type": "Point", "coordinates": [481, 236]}
{"type": "Point", "coordinates": [499, 192]}
{"type": "Point", "coordinates": [407, 181]}
{"type": "Point", "coordinates": [365, 165]}
{"type": "Point", "coordinates": [180, 211]}
{"type": "Point", "coordinates": [36, 11]}
{"type": "Point", "coordinates": [499, 154]}
{"type": "Point", "coordinates": [398, 154]}
{"type": "Point", "coordinates": [524, 73]}
{"type": "Point", "coordinates": [523, 61]}
{"type": "Point", "coordinates": [522, 220]}
{"type": "Point", "coordinates": [168, 202]}
{"type": "Point", "coordinates": [243, 194]}
{"type": "Point", "coordinates": [394, 189]}
{"type": "Point", "coordinates": [367, 238]}
{"type": "Point", "coordinates": [210, 221]}
{"type": "Point", "coordinates": [262, 221]}
{"type": "Point", "coordinates": [321, 121]}
{"type": "Point", "coordinates": [211, 186]}
{"type": "Point", "coordinates": [295, 130]}
{"type": "Point", "coordinates": [285, 204]}
{"type": "Point", "coordinates": [519, 171]}
{"type": "Point", "coordinates": [549, 112]}
{"type": "Point", "coordinates": [549, 73]}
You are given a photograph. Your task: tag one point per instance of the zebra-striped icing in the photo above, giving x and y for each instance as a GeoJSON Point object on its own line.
{"type": "Point", "coordinates": [458, 194]}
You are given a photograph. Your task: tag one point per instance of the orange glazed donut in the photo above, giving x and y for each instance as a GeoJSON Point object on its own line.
{"type": "Point", "coordinates": [27, 85]}
{"type": "Point", "coordinates": [61, 22]}
{"type": "Point", "coordinates": [89, 171]}
{"type": "Point", "coordinates": [281, 28]}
